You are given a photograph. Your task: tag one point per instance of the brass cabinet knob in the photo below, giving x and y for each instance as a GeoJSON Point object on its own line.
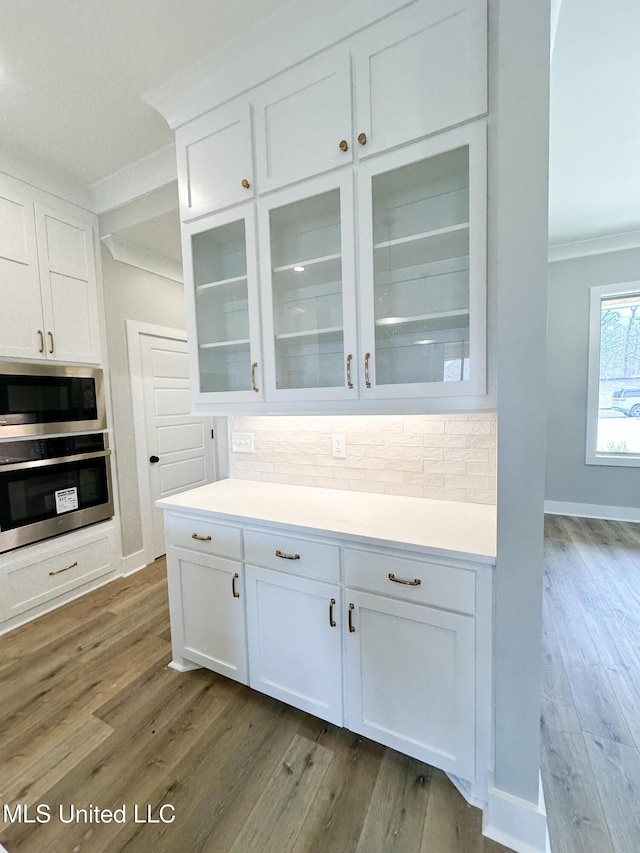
{"type": "Point", "coordinates": [362, 138]}
{"type": "Point", "coordinates": [245, 183]}
{"type": "Point", "coordinates": [343, 145]}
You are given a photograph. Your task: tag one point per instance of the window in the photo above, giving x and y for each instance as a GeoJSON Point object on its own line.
{"type": "Point", "coordinates": [613, 416]}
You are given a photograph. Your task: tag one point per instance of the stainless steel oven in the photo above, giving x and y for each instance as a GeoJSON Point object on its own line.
{"type": "Point", "coordinates": [45, 399]}
{"type": "Point", "coordinates": [52, 485]}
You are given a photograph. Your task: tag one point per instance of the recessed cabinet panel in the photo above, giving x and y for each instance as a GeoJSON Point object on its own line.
{"type": "Point", "coordinates": [214, 160]}
{"type": "Point", "coordinates": [225, 305]}
{"type": "Point", "coordinates": [303, 121]}
{"type": "Point", "coordinates": [431, 56]}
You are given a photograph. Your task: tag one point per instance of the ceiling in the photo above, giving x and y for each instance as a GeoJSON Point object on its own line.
{"type": "Point", "coordinates": [73, 72]}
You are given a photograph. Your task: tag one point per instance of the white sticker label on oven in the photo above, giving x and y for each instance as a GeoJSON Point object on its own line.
{"type": "Point", "coordinates": [66, 499]}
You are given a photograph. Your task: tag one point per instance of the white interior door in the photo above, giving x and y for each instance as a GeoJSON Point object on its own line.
{"type": "Point", "coordinates": [178, 448]}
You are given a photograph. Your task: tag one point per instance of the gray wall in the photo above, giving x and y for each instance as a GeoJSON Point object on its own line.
{"type": "Point", "coordinates": [132, 294]}
{"type": "Point", "coordinates": [569, 479]}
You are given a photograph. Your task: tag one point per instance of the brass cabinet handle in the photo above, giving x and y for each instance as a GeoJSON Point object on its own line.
{"type": "Point", "coordinates": [60, 571]}
{"type": "Point", "coordinates": [284, 556]}
{"type": "Point", "coordinates": [414, 582]}
{"type": "Point", "coordinates": [254, 367]}
{"type": "Point", "coordinates": [51, 347]}
{"type": "Point", "coordinates": [362, 138]}
{"type": "Point", "coordinates": [367, 381]}
{"type": "Point", "coordinates": [352, 630]}
{"type": "Point", "coordinates": [343, 145]}
{"type": "Point", "coordinates": [332, 621]}
{"type": "Point", "coordinates": [245, 183]}
{"type": "Point", "coordinates": [41, 335]}
{"type": "Point", "coordinates": [235, 592]}
{"type": "Point", "coordinates": [201, 538]}
{"type": "Point", "coordinates": [349, 382]}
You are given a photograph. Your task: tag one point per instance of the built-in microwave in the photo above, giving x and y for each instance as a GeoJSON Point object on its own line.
{"type": "Point", "coordinates": [43, 399]}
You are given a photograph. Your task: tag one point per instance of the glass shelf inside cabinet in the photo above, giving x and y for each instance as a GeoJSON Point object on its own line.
{"type": "Point", "coordinates": [421, 271]}
{"type": "Point", "coordinates": [307, 293]}
{"type": "Point", "coordinates": [222, 308]}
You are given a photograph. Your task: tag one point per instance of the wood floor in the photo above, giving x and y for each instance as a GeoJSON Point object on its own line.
{"type": "Point", "coordinates": [91, 717]}
{"type": "Point", "coordinates": [591, 690]}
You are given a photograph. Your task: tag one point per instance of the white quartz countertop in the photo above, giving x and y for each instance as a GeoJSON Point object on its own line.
{"type": "Point", "coordinates": [448, 527]}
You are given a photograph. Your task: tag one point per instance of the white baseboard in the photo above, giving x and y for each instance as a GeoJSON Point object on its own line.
{"type": "Point", "coordinates": [515, 823]}
{"type": "Point", "coordinates": [467, 792]}
{"type": "Point", "coordinates": [183, 667]}
{"type": "Point", "coordinates": [132, 563]}
{"type": "Point", "coordinates": [608, 513]}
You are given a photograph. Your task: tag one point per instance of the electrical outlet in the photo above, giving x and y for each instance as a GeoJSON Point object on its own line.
{"type": "Point", "coordinates": [242, 442]}
{"type": "Point", "coordinates": [338, 446]}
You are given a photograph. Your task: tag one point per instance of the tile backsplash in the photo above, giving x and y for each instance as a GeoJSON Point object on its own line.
{"type": "Point", "coordinates": [447, 457]}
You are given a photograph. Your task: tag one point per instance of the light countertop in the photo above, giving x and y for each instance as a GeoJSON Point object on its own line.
{"type": "Point", "coordinates": [453, 528]}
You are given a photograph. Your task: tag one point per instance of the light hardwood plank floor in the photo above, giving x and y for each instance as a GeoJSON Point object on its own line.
{"type": "Point", "coordinates": [591, 686]}
{"type": "Point", "coordinates": [91, 716]}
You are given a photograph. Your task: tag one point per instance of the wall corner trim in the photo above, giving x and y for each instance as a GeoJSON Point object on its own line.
{"type": "Point", "coordinates": [608, 513]}
{"type": "Point", "coordinates": [514, 822]}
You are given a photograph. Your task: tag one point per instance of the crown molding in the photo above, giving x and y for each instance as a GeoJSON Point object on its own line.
{"type": "Point", "coordinates": [41, 176]}
{"type": "Point", "coordinates": [138, 179]}
{"type": "Point", "coordinates": [136, 256]}
{"type": "Point", "coordinates": [289, 35]}
{"type": "Point", "coordinates": [594, 246]}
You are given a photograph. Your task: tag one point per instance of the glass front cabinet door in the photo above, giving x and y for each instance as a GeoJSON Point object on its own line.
{"type": "Point", "coordinates": [422, 271]}
{"type": "Point", "coordinates": [307, 262]}
{"type": "Point", "coordinates": [220, 264]}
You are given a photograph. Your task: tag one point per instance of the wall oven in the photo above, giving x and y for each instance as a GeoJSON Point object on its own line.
{"type": "Point", "coordinates": [49, 486]}
{"type": "Point", "coordinates": [44, 399]}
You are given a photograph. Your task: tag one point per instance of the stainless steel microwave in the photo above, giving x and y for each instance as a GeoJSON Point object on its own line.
{"type": "Point", "coordinates": [43, 399]}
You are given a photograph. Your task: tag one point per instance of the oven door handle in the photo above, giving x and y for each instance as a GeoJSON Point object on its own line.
{"type": "Point", "coordinates": [58, 460]}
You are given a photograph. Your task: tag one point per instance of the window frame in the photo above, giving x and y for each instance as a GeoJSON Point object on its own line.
{"type": "Point", "coordinates": [593, 456]}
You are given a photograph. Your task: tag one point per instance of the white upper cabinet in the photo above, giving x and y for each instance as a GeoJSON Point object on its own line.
{"type": "Point", "coordinates": [48, 285]}
{"type": "Point", "coordinates": [215, 167]}
{"type": "Point", "coordinates": [303, 120]}
{"type": "Point", "coordinates": [21, 323]}
{"type": "Point", "coordinates": [308, 288]}
{"type": "Point", "coordinates": [420, 71]}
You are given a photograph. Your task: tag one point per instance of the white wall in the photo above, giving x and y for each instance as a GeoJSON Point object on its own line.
{"type": "Point", "coordinates": [132, 294]}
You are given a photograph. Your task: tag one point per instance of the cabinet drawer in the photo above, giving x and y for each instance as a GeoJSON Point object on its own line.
{"type": "Point", "coordinates": [208, 537]}
{"type": "Point", "coordinates": [31, 585]}
{"type": "Point", "coordinates": [440, 586]}
{"type": "Point", "coordinates": [299, 556]}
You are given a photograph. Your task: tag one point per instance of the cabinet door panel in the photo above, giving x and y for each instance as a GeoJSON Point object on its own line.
{"type": "Point", "coordinates": [301, 118]}
{"type": "Point", "coordinates": [295, 653]}
{"type": "Point", "coordinates": [410, 680]}
{"type": "Point", "coordinates": [214, 158]}
{"type": "Point", "coordinates": [207, 619]}
{"type": "Point", "coordinates": [433, 56]}
{"type": "Point", "coordinates": [69, 288]}
{"type": "Point", "coordinates": [21, 315]}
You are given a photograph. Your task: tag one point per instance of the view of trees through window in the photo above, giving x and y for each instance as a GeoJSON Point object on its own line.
{"type": "Point", "coordinates": [619, 388]}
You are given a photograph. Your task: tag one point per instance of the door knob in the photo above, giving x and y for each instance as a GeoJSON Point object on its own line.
{"type": "Point", "coordinates": [154, 459]}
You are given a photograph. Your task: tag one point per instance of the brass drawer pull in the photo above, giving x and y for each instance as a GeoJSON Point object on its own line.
{"type": "Point", "coordinates": [254, 367]}
{"type": "Point", "coordinates": [349, 382]}
{"type": "Point", "coordinates": [201, 538]}
{"type": "Point", "coordinates": [60, 571]}
{"type": "Point", "coordinates": [367, 381]}
{"type": "Point", "coordinates": [352, 630]}
{"type": "Point", "coordinates": [235, 592]}
{"type": "Point", "coordinates": [414, 582]}
{"type": "Point", "coordinates": [282, 556]}
{"type": "Point", "coordinates": [41, 336]}
{"type": "Point", "coordinates": [245, 183]}
{"type": "Point", "coordinates": [362, 138]}
{"type": "Point", "coordinates": [343, 145]}
{"type": "Point", "coordinates": [51, 346]}
{"type": "Point", "coordinates": [332, 621]}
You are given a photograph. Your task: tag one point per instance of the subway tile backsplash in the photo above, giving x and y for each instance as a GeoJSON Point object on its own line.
{"type": "Point", "coordinates": [446, 457]}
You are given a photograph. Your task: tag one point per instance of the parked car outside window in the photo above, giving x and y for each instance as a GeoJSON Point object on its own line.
{"type": "Point", "coordinates": [627, 401]}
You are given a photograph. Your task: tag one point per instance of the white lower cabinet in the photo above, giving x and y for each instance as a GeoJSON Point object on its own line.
{"type": "Point", "coordinates": [207, 613]}
{"type": "Point", "coordinates": [410, 680]}
{"type": "Point", "coordinates": [295, 648]}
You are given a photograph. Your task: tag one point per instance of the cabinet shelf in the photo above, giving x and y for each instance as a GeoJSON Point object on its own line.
{"type": "Point", "coordinates": [221, 283]}
{"type": "Point", "coordinates": [218, 344]}
{"type": "Point", "coordinates": [425, 235]}
{"type": "Point", "coordinates": [308, 263]}
{"type": "Point", "coordinates": [330, 330]}
{"type": "Point", "coordinates": [420, 318]}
